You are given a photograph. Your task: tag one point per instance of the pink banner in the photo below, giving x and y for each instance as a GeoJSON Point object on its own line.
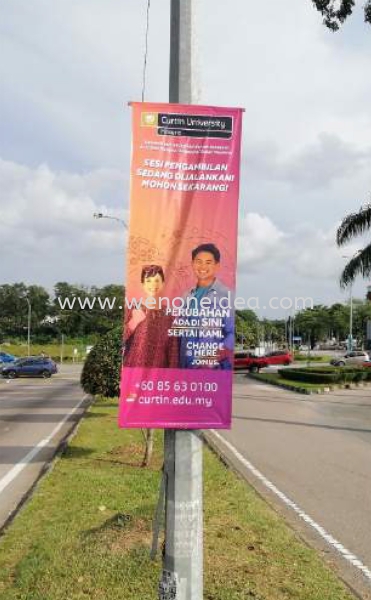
{"type": "Point", "coordinates": [179, 313]}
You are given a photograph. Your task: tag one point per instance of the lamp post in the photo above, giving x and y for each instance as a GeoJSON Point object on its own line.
{"type": "Point", "coordinates": [102, 216]}
{"type": "Point", "coordinates": [350, 341]}
{"type": "Point", "coordinates": [62, 347]}
{"type": "Point", "coordinates": [28, 326]}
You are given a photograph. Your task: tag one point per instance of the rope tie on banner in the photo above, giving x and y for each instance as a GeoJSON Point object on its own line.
{"type": "Point", "coordinates": [146, 51]}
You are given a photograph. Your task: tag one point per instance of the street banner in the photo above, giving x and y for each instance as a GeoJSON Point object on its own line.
{"type": "Point", "coordinates": [181, 267]}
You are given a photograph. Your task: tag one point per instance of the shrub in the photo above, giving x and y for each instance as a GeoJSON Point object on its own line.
{"type": "Point", "coordinates": [325, 375]}
{"type": "Point", "coordinates": [307, 376]}
{"type": "Point", "coordinates": [359, 375]}
{"type": "Point", "coordinates": [101, 371]}
{"type": "Point", "coordinates": [101, 376]}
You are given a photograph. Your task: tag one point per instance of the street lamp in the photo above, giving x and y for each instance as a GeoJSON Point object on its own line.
{"type": "Point", "coordinates": [102, 216]}
{"type": "Point", "coordinates": [350, 343]}
{"type": "Point", "coordinates": [28, 326]}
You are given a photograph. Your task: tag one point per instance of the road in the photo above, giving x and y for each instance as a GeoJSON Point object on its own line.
{"type": "Point", "coordinates": [35, 415]}
{"type": "Point", "coordinates": [316, 450]}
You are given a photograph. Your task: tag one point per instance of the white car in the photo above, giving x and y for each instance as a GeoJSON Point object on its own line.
{"type": "Point", "coordinates": [356, 357]}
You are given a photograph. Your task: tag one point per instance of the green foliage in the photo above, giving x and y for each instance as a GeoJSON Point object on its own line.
{"type": "Point", "coordinates": [335, 12]}
{"type": "Point", "coordinates": [247, 328]}
{"type": "Point", "coordinates": [367, 8]}
{"type": "Point", "coordinates": [311, 358]}
{"type": "Point", "coordinates": [250, 331]}
{"type": "Point", "coordinates": [353, 225]}
{"type": "Point", "coordinates": [49, 320]}
{"type": "Point", "coordinates": [313, 323]}
{"type": "Point", "coordinates": [80, 321]}
{"type": "Point", "coordinates": [101, 371]}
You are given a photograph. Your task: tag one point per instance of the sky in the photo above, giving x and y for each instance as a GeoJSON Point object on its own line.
{"type": "Point", "coordinates": [68, 68]}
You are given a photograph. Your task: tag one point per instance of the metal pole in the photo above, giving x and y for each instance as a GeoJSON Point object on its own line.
{"type": "Point", "coordinates": [351, 320]}
{"type": "Point", "coordinates": [62, 347]}
{"type": "Point", "coordinates": [180, 76]}
{"type": "Point", "coordinates": [28, 327]}
{"type": "Point", "coordinates": [286, 337]}
{"type": "Point", "coordinates": [182, 577]}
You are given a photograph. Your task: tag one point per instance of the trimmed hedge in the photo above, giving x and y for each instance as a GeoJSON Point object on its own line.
{"type": "Point", "coordinates": [327, 375]}
{"type": "Point", "coordinates": [101, 372]}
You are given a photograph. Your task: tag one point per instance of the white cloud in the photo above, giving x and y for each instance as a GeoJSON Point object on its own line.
{"type": "Point", "coordinates": [318, 165]}
{"type": "Point", "coordinates": [48, 229]}
{"type": "Point", "coordinates": [260, 242]}
{"type": "Point", "coordinates": [67, 70]}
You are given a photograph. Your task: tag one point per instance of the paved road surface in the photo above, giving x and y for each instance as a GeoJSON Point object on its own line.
{"type": "Point", "coordinates": [35, 415]}
{"type": "Point", "coordinates": [317, 451]}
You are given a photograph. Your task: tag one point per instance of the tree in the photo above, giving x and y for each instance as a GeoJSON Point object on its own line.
{"type": "Point", "coordinates": [247, 327]}
{"type": "Point", "coordinates": [101, 372]}
{"type": "Point", "coordinates": [14, 309]}
{"type": "Point", "coordinates": [339, 320]}
{"type": "Point", "coordinates": [314, 323]}
{"type": "Point", "coordinates": [103, 309]}
{"type": "Point", "coordinates": [361, 315]}
{"type": "Point", "coordinates": [335, 12]}
{"type": "Point", "coordinates": [353, 225]}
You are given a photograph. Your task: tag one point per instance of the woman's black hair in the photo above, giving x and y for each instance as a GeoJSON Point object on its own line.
{"type": "Point", "coordinates": [151, 271]}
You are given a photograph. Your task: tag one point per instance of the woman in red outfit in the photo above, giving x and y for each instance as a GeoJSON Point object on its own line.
{"type": "Point", "coordinates": [147, 343]}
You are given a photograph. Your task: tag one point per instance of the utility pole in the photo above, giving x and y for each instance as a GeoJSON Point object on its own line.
{"type": "Point", "coordinates": [351, 318]}
{"type": "Point", "coordinates": [350, 337]}
{"type": "Point", "coordinates": [182, 577]}
{"type": "Point", "coordinates": [62, 348]}
{"type": "Point", "coordinates": [28, 326]}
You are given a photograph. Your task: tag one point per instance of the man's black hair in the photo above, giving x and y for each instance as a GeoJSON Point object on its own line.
{"type": "Point", "coordinates": [207, 248]}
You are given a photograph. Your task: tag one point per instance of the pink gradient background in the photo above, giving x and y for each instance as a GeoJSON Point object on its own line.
{"type": "Point", "coordinates": [165, 226]}
{"type": "Point", "coordinates": [135, 414]}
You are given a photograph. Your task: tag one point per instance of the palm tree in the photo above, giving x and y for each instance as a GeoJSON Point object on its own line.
{"type": "Point", "coordinates": [353, 225]}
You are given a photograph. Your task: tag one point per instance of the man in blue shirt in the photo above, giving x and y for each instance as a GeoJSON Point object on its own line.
{"type": "Point", "coordinates": [210, 343]}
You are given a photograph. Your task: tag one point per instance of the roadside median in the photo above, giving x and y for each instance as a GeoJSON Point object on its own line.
{"type": "Point", "coordinates": [315, 380]}
{"type": "Point", "coordinates": [86, 532]}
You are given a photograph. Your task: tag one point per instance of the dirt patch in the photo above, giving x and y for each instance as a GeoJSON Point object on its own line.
{"type": "Point", "coordinates": [131, 456]}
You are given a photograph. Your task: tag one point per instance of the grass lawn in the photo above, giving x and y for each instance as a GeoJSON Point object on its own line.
{"type": "Point", "coordinates": [86, 532]}
{"type": "Point", "coordinates": [53, 350]}
{"type": "Point", "coordinates": [312, 358]}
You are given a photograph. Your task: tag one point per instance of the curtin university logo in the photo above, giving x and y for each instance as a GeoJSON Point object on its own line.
{"type": "Point", "coordinates": [183, 125]}
{"type": "Point", "coordinates": [149, 119]}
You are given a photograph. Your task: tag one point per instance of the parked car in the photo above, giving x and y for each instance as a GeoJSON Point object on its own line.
{"type": "Point", "coordinates": [32, 366]}
{"type": "Point", "coordinates": [356, 357]}
{"type": "Point", "coordinates": [6, 358]}
{"type": "Point", "coordinates": [247, 360]}
{"type": "Point", "coordinates": [279, 357]}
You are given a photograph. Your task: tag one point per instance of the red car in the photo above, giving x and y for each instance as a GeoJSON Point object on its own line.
{"type": "Point", "coordinates": [246, 360]}
{"type": "Point", "coordinates": [279, 357]}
